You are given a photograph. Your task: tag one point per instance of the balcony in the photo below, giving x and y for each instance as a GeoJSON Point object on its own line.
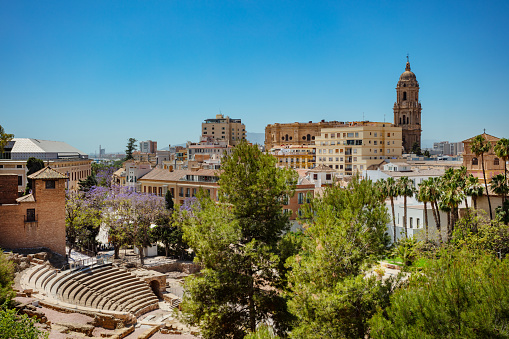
{"type": "Point", "coordinates": [31, 220]}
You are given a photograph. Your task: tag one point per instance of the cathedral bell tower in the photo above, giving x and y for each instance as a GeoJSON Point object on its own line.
{"type": "Point", "coordinates": [407, 109]}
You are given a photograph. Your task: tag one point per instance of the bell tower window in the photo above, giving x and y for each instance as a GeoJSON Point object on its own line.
{"type": "Point", "coordinates": [404, 96]}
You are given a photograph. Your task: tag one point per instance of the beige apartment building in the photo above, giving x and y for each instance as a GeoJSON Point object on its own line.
{"type": "Point", "coordinates": [221, 128]}
{"type": "Point", "coordinates": [354, 148]}
{"type": "Point", "coordinates": [294, 156]}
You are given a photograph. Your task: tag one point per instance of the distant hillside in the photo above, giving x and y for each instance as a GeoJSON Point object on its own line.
{"type": "Point", "coordinates": [256, 138]}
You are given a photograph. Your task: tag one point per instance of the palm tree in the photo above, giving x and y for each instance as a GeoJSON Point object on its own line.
{"type": "Point", "coordinates": [499, 186]}
{"type": "Point", "coordinates": [389, 189]}
{"type": "Point", "coordinates": [4, 140]}
{"type": "Point", "coordinates": [434, 187]}
{"type": "Point", "coordinates": [480, 146]}
{"type": "Point", "coordinates": [452, 196]}
{"type": "Point", "coordinates": [406, 189]}
{"type": "Point", "coordinates": [501, 149]}
{"type": "Point", "coordinates": [424, 195]}
{"type": "Point", "coordinates": [473, 188]}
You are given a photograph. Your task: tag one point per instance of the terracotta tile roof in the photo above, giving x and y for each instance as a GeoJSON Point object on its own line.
{"type": "Point", "coordinates": [26, 198]}
{"type": "Point", "coordinates": [47, 173]}
{"type": "Point", "coordinates": [165, 175]}
{"type": "Point", "coordinates": [434, 172]}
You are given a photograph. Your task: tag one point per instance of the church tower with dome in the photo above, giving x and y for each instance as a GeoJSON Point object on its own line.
{"type": "Point", "coordinates": [407, 109]}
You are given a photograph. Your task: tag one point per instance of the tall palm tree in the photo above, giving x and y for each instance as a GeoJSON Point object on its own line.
{"type": "Point", "coordinates": [390, 190]}
{"type": "Point", "coordinates": [473, 189]}
{"type": "Point", "coordinates": [480, 146]}
{"type": "Point", "coordinates": [434, 184]}
{"type": "Point", "coordinates": [4, 140]}
{"type": "Point", "coordinates": [501, 149]}
{"type": "Point", "coordinates": [406, 189]}
{"type": "Point", "coordinates": [424, 196]}
{"type": "Point", "coordinates": [452, 196]}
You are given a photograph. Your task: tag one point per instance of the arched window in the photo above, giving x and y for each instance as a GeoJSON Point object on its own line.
{"type": "Point", "coordinates": [400, 120]}
{"type": "Point", "coordinates": [404, 119]}
{"type": "Point", "coordinates": [286, 137]}
{"type": "Point", "coordinates": [407, 120]}
{"type": "Point", "coordinates": [475, 161]}
{"type": "Point", "coordinates": [404, 95]}
{"type": "Point", "coordinates": [308, 137]}
{"type": "Point", "coordinates": [496, 161]}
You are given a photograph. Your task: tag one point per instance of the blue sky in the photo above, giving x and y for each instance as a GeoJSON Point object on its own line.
{"type": "Point", "coordinates": [100, 72]}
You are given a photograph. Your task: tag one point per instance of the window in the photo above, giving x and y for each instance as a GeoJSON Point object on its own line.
{"type": "Point", "coordinates": [418, 222]}
{"type": "Point", "coordinates": [328, 176]}
{"type": "Point", "coordinates": [50, 184]}
{"type": "Point", "coordinates": [475, 161]}
{"type": "Point", "coordinates": [496, 162]}
{"type": "Point", "coordinates": [30, 214]}
{"type": "Point", "coordinates": [315, 176]}
{"type": "Point", "coordinates": [20, 180]}
{"type": "Point", "coordinates": [404, 95]}
{"type": "Point", "coordinates": [375, 142]}
{"type": "Point", "coordinates": [19, 166]}
{"type": "Point", "coordinates": [356, 134]}
{"type": "Point", "coordinates": [181, 192]}
{"type": "Point", "coordinates": [411, 222]}
{"type": "Point", "coordinates": [350, 135]}
{"type": "Point", "coordinates": [301, 198]}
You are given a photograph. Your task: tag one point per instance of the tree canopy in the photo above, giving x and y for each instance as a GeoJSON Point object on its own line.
{"type": "Point", "coordinates": [237, 241]}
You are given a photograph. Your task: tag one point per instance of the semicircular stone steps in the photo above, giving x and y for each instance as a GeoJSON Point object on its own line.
{"type": "Point", "coordinates": [104, 288]}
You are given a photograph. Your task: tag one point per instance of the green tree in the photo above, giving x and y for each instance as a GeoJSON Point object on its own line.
{"type": "Point", "coordinates": [501, 149]}
{"type": "Point", "coordinates": [345, 235]}
{"type": "Point", "coordinates": [427, 154]}
{"type": "Point", "coordinates": [238, 242]}
{"type": "Point", "coordinates": [480, 146]}
{"type": "Point", "coordinates": [131, 147]}
{"type": "Point", "coordinates": [33, 165]}
{"type": "Point", "coordinates": [424, 196]}
{"type": "Point", "coordinates": [499, 186]}
{"type": "Point", "coordinates": [461, 295]}
{"type": "Point", "coordinates": [86, 184]}
{"type": "Point", "coordinates": [169, 232]}
{"type": "Point", "coordinates": [416, 149]}
{"type": "Point", "coordinates": [406, 189]}
{"type": "Point", "coordinates": [390, 189]}
{"type": "Point", "coordinates": [4, 140]}
{"type": "Point", "coordinates": [474, 189]}
{"type": "Point", "coordinates": [6, 279]}
{"type": "Point", "coordinates": [168, 199]}
{"type": "Point", "coordinates": [17, 326]}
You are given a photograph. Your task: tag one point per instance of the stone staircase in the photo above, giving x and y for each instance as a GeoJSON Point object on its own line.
{"type": "Point", "coordinates": [105, 287]}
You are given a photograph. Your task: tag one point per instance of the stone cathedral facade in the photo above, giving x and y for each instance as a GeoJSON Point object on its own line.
{"type": "Point", "coordinates": [407, 109]}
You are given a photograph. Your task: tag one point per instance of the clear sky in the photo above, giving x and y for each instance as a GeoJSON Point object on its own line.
{"type": "Point", "coordinates": [100, 72]}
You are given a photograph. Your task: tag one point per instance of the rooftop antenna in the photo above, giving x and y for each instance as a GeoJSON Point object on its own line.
{"type": "Point", "coordinates": [362, 116]}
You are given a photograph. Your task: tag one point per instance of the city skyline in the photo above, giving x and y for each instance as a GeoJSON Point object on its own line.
{"type": "Point", "coordinates": [99, 73]}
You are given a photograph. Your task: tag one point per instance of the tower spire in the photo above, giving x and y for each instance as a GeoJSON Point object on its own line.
{"type": "Point", "coordinates": [407, 68]}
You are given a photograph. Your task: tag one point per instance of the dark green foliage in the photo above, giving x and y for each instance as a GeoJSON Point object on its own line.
{"type": "Point", "coordinates": [169, 232]}
{"type": "Point", "coordinates": [6, 279]}
{"type": "Point", "coordinates": [130, 148]}
{"type": "Point", "coordinates": [416, 149]}
{"type": "Point", "coordinates": [17, 326]}
{"type": "Point", "coordinates": [330, 295]}
{"type": "Point", "coordinates": [477, 233]}
{"type": "Point", "coordinates": [461, 295]}
{"type": "Point", "coordinates": [168, 199]}
{"type": "Point", "coordinates": [427, 154]}
{"type": "Point", "coordinates": [87, 184]}
{"type": "Point", "coordinates": [33, 165]}
{"type": "Point", "coordinates": [237, 242]}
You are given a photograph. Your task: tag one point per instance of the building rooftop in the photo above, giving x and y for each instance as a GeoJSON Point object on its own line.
{"type": "Point", "coordinates": [29, 145]}
{"type": "Point", "coordinates": [47, 173]}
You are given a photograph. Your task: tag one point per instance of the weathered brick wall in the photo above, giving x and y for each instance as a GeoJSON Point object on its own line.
{"type": "Point", "coordinates": [8, 188]}
{"type": "Point", "coordinates": [48, 231]}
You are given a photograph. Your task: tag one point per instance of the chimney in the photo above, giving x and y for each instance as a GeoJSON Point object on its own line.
{"type": "Point", "coordinates": [170, 168]}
